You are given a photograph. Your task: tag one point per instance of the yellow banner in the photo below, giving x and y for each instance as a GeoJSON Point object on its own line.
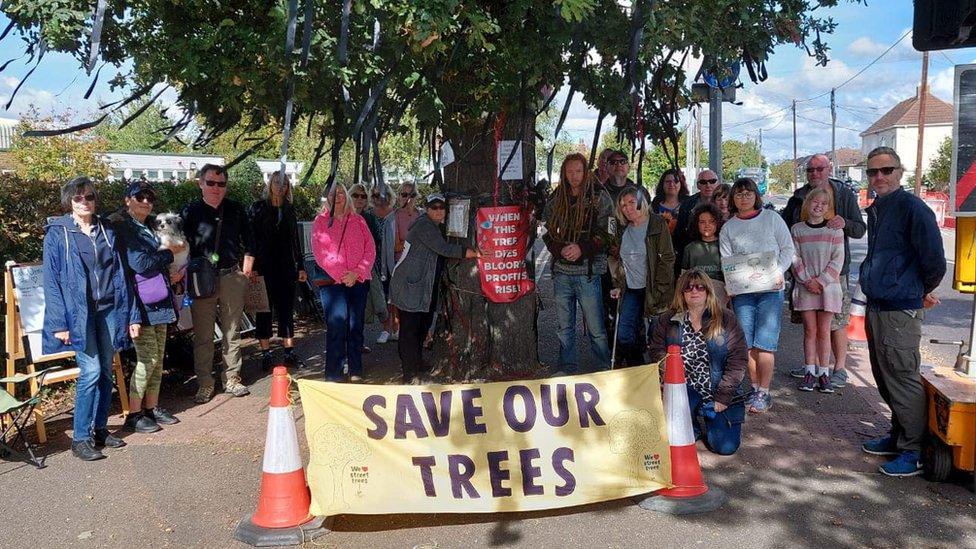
{"type": "Point", "coordinates": [484, 448]}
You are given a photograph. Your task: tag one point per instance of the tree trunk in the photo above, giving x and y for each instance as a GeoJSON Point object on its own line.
{"type": "Point", "coordinates": [478, 339]}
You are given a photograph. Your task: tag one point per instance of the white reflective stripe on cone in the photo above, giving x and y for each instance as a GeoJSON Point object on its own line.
{"type": "Point", "coordinates": [678, 412]}
{"type": "Point", "coordinates": [281, 445]}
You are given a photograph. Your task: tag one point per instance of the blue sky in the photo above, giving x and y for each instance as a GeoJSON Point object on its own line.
{"type": "Point", "coordinates": [863, 32]}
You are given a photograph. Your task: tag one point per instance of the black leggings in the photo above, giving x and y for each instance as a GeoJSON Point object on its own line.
{"type": "Point", "coordinates": [281, 297]}
{"type": "Point", "coordinates": [413, 332]}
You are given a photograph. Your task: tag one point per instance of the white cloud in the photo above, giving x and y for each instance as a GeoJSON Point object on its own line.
{"type": "Point", "coordinates": [865, 47]}
{"type": "Point", "coordinates": [10, 81]}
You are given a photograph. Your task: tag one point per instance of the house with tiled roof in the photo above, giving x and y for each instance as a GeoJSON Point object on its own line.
{"type": "Point", "coordinates": [898, 129]}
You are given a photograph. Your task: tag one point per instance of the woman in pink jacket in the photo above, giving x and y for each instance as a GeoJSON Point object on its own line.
{"type": "Point", "coordinates": [344, 249]}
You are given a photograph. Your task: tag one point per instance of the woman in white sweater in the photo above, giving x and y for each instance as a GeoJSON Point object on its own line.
{"type": "Point", "coordinates": [752, 230]}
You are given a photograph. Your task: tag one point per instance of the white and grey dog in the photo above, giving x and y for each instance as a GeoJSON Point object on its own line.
{"type": "Point", "coordinates": [169, 229]}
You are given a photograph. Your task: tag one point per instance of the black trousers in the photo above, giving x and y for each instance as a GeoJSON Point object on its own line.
{"type": "Point", "coordinates": [281, 296]}
{"type": "Point", "coordinates": [413, 332]}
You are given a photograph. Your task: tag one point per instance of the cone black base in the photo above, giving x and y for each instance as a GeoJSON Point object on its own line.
{"type": "Point", "coordinates": [709, 501]}
{"type": "Point", "coordinates": [256, 536]}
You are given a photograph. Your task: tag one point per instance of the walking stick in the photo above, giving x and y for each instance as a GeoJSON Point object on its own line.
{"type": "Point", "coordinates": [616, 326]}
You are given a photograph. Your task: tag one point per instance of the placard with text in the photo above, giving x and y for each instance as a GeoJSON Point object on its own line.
{"type": "Point", "coordinates": [503, 236]}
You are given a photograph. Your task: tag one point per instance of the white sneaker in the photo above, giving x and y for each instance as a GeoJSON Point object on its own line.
{"type": "Point", "coordinates": [383, 338]}
{"type": "Point", "coordinates": [394, 336]}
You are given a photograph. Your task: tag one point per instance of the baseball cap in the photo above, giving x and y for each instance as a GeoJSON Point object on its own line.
{"type": "Point", "coordinates": [435, 197]}
{"type": "Point", "coordinates": [136, 187]}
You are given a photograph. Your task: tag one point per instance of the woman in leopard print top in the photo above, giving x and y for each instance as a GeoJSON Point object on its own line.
{"type": "Point", "coordinates": [715, 357]}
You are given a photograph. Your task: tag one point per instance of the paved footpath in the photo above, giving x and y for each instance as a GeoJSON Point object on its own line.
{"type": "Point", "coordinates": [800, 479]}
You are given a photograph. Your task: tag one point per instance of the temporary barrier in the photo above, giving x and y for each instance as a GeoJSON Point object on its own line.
{"type": "Point", "coordinates": [855, 324]}
{"type": "Point", "coordinates": [689, 494]}
{"type": "Point", "coordinates": [282, 517]}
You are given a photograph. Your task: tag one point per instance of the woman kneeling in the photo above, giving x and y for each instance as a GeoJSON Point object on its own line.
{"type": "Point", "coordinates": [715, 358]}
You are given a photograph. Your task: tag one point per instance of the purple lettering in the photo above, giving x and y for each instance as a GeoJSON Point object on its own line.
{"type": "Point", "coordinates": [440, 424]}
{"type": "Point", "coordinates": [472, 412]}
{"type": "Point", "coordinates": [407, 418]}
{"type": "Point", "coordinates": [562, 405]}
{"type": "Point", "coordinates": [461, 479]}
{"type": "Point", "coordinates": [372, 401]}
{"type": "Point", "coordinates": [530, 472]}
{"type": "Point", "coordinates": [497, 474]}
{"type": "Point", "coordinates": [426, 463]}
{"type": "Point", "coordinates": [587, 397]}
{"type": "Point", "coordinates": [559, 457]}
{"type": "Point", "coordinates": [508, 404]}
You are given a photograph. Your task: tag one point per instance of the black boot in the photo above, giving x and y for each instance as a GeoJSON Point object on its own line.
{"type": "Point", "coordinates": [85, 451]}
{"type": "Point", "coordinates": [140, 422]}
{"type": "Point", "coordinates": [104, 438]}
{"type": "Point", "coordinates": [267, 361]}
{"type": "Point", "coordinates": [162, 416]}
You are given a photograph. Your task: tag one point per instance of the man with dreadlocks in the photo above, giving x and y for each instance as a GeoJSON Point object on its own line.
{"type": "Point", "coordinates": [576, 235]}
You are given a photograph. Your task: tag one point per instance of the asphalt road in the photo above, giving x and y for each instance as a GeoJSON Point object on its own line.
{"type": "Point", "coordinates": [799, 479]}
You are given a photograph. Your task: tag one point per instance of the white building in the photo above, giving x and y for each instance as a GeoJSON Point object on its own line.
{"type": "Point", "coordinates": [292, 169]}
{"type": "Point", "coordinates": [157, 166]}
{"type": "Point", "coordinates": [898, 129]}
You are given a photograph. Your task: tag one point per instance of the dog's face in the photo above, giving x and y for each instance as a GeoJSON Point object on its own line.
{"type": "Point", "coordinates": [169, 223]}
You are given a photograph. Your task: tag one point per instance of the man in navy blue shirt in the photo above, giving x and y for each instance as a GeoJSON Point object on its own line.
{"type": "Point", "coordinates": [904, 265]}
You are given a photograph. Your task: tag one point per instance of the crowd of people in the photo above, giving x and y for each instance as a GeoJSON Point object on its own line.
{"type": "Point", "coordinates": [645, 271]}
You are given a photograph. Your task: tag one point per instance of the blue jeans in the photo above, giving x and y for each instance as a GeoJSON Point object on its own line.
{"type": "Point", "coordinates": [629, 323]}
{"type": "Point", "coordinates": [760, 315]}
{"type": "Point", "coordinates": [570, 290]}
{"type": "Point", "coordinates": [345, 309]}
{"type": "Point", "coordinates": [93, 391]}
{"type": "Point", "coordinates": [723, 430]}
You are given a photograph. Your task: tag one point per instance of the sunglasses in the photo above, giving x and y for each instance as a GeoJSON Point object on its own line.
{"type": "Point", "coordinates": [79, 198]}
{"type": "Point", "coordinates": [361, 196]}
{"type": "Point", "coordinates": [694, 288]}
{"type": "Point", "coordinates": [818, 169]}
{"type": "Point", "coordinates": [212, 182]}
{"type": "Point", "coordinates": [707, 181]}
{"type": "Point", "coordinates": [887, 170]}
{"type": "Point", "coordinates": [408, 195]}
{"type": "Point", "coordinates": [145, 196]}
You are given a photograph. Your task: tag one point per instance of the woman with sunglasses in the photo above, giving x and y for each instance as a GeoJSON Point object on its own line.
{"type": "Point", "coordinates": [412, 287]}
{"type": "Point", "coordinates": [344, 249]}
{"type": "Point", "coordinates": [396, 226]}
{"type": "Point", "coordinates": [643, 274]}
{"type": "Point", "coordinates": [757, 230]}
{"type": "Point", "coordinates": [714, 354]}
{"type": "Point", "coordinates": [277, 257]}
{"type": "Point", "coordinates": [88, 309]}
{"type": "Point", "coordinates": [147, 268]}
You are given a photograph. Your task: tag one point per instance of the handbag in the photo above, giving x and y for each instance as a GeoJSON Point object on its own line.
{"type": "Point", "coordinates": [201, 273]}
{"type": "Point", "coordinates": [152, 289]}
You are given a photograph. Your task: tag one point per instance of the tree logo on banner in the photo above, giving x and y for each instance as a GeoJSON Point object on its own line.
{"type": "Point", "coordinates": [634, 433]}
{"type": "Point", "coordinates": [335, 447]}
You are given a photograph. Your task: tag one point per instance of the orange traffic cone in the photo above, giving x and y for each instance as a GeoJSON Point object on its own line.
{"type": "Point", "coordinates": [282, 517]}
{"type": "Point", "coordinates": [855, 322]}
{"type": "Point", "coordinates": [689, 494]}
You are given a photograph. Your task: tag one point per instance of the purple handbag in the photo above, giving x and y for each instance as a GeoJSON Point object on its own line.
{"type": "Point", "coordinates": [153, 289]}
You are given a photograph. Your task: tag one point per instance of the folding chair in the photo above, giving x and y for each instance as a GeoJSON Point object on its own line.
{"type": "Point", "coordinates": [18, 412]}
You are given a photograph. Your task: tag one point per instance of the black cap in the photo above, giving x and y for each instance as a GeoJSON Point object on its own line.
{"type": "Point", "coordinates": [137, 186]}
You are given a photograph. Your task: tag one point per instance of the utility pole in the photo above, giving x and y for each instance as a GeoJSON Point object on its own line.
{"type": "Point", "coordinates": [922, 92]}
{"type": "Point", "coordinates": [833, 134]}
{"type": "Point", "coordinates": [794, 146]}
{"type": "Point", "coordinates": [715, 131]}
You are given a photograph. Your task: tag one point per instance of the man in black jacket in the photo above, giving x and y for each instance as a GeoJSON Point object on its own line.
{"type": "Point", "coordinates": [201, 219]}
{"type": "Point", "coordinates": [848, 217]}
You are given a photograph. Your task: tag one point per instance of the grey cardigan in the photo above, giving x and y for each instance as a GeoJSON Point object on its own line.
{"type": "Point", "coordinates": [412, 283]}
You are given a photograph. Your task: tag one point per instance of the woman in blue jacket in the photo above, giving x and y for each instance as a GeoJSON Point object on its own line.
{"type": "Point", "coordinates": [148, 273]}
{"type": "Point", "coordinates": [87, 309]}
{"type": "Point", "coordinates": [715, 358]}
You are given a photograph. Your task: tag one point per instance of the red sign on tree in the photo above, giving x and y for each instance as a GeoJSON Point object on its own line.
{"type": "Point", "coordinates": [503, 235]}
